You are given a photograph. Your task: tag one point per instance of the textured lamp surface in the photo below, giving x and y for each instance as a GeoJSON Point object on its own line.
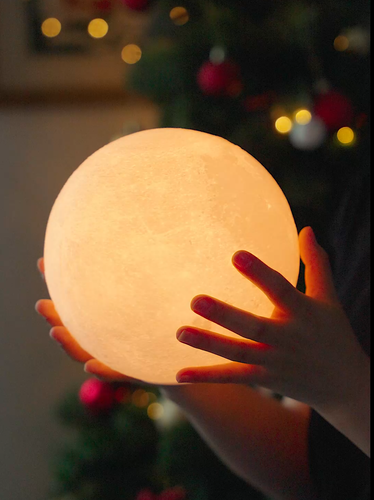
{"type": "Point", "coordinates": [146, 223]}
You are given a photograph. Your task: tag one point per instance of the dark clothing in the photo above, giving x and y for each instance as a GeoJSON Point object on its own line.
{"type": "Point", "coordinates": [339, 469]}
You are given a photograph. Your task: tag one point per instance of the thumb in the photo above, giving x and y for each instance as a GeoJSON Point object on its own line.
{"type": "Point", "coordinates": [318, 276]}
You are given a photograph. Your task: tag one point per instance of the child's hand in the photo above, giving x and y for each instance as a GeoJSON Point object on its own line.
{"type": "Point", "coordinates": [62, 336]}
{"type": "Point", "coordinates": [306, 351]}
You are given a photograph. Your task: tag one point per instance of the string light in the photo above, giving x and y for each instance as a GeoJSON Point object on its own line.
{"type": "Point", "coordinates": [131, 53]}
{"type": "Point", "coordinates": [98, 28]}
{"type": "Point", "coordinates": [283, 124]}
{"type": "Point", "coordinates": [51, 27]}
{"type": "Point", "coordinates": [345, 136]}
{"type": "Point", "coordinates": [179, 16]}
{"type": "Point", "coordinates": [303, 116]}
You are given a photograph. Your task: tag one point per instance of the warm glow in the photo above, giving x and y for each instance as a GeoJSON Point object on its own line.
{"type": "Point", "coordinates": [51, 27]}
{"type": "Point", "coordinates": [145, 224]}
{"type": "Point", "coordinates": [155, 411]}
{"type": "Point", "coordinates": [98, 28]}
{"type": "Point", "coordinates": [131, 53]}
{"type": "Point", "coordinates": [341, 43]}
{"type": "Point", "coordinates": [303, 116]}
{"type": "Point", "coordinates": [283, 124]}
{"type": "Point", "coordinates": [179, 16]}
{"type": "Point", "coordinates": [345, 135]}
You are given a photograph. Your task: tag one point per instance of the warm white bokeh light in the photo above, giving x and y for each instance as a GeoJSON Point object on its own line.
{"type": "Point", "coordinates": [97, 28]}
{"type": "Point", "coordinates": [131, 53]}
{"type": "Point", "coordinates": [345, 136]}
{"type": "Point", "coordinates": [303, 116]}
{"type": "Point", "coordinates": [155, 411]}
{"type": "Point", "coordinates": [51, 27]}
{"type": "Point", "coordinates": [179, 16]}
{"type": "Point", "coordinates": [283, 124]}
{"type": "Point", "coordinates": [145, 224]}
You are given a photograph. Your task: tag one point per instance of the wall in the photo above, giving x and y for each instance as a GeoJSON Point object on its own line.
{"type": "Point", "coordinates": [40, 148]}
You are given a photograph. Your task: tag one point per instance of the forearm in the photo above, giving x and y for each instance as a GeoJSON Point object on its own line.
{"type": "Point", "coordinates": [351, 416]}
{"type": "Point", "coordinates": [260, 440]}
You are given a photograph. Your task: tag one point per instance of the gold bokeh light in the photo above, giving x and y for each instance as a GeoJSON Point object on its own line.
{"type": "Point", "coordinates": [155, 411]}
{"type": "Point", "coordinates": [283, 124]}
{"type": "Point", "coordinates": [345, 135]}
{"type": "Point", "coordinates": [97, 28]}
{"type": "Point", "coordinates": [140, 398]}
{"type": "Point", "coordinates": [51, 27]}
{"type": "Point", "coordinates": [179, 16]}
{"type": "Point", "coordinates": [131, 53]}
{"type": "Point", "coordinates": [303, 116]}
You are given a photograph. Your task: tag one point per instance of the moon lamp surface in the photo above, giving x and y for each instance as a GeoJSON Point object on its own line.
{"type": "Point", "coordinates": [145, 224]}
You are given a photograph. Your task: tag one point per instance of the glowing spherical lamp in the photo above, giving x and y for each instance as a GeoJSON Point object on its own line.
{"type": "Point", "coordinates": [145, 224]}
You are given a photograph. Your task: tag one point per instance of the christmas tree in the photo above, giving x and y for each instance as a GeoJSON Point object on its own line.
{"type": "Point", "coordinates": [288, 82]}
{"type": "Point", "coordinates": [126, 445]}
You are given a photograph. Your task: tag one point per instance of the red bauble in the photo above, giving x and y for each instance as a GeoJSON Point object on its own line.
{"type": "Point", "coordinates": [219, 79]}
{"type": "Point", "coordinates": [334, 109]}
{"type": "Point", "coordinates": [136, 4]}
{"type": "Point", "coordinates": [97, 396]}
{"type": "Point", "coordinates": [145, 494]}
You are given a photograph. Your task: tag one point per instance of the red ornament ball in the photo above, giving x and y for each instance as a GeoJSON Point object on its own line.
{"type": "Point", "coordinates": [334, 109]}
{"type": "Point", "coordinates": [145, 494]}
{"type": "Point", "coordinates": [219, 79]}
{"type": "Point", "coordinates": [96, 395]}
{"type": "Point", "coordinates": [136, 4]}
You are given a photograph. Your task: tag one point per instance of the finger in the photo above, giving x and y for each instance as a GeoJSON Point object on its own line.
{"type": "Point", "coordinates": [95, 367]}
{"type": "Point", "coordinates": [318, 276]}
{"type": "Point", "coordinates": [243, 323]}
{"type": "Point", "coordinates": [241, 351]}
{"type": "Point", "coordinates": [40, 264]}
{"type": "Point", "coordinates": [224, 374]}
{"type": "Point", "coordinates": [61, 335]}
{"type": "Point", "coordinates": [279, 291]}
{"type": "Point", "coordinates": [46, 308]}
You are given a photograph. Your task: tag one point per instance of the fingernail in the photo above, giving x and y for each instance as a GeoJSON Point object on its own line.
{"type": "Point", "coordinates": [181, 335]}
{"type": "Point", "coordinates": [41, 274]}
{"type": "Point", "coordinates": [52, 334]}
{"type": "Point", "coordinates": [243, 259]}
{"type": "Point", "coordinates": [87, 369]}
{"type": "Point", "coordinates": [188, 337]}
{"type": "Point", "coordinates": [202, 305]}
{"type": "Point", "coordinates": [183, 378]}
